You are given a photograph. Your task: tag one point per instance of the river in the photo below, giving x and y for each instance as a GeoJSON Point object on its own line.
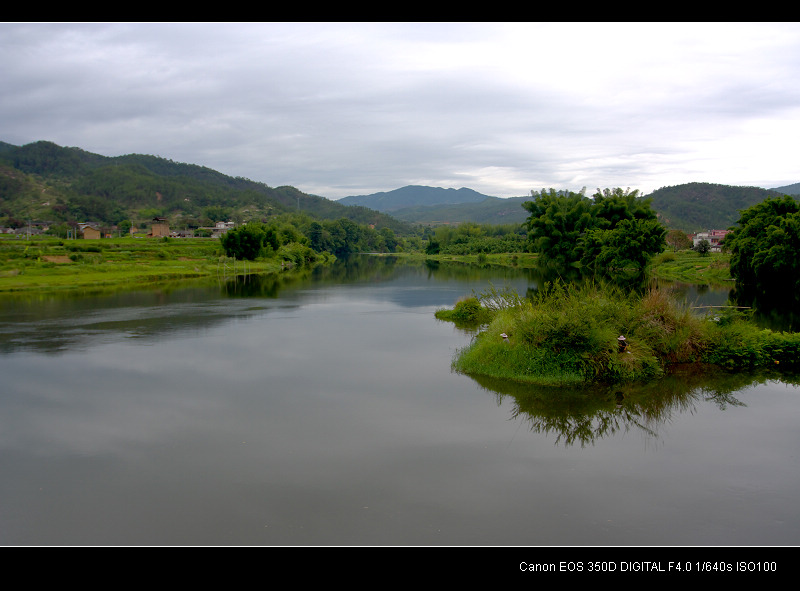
{"type": "Point", "coordinates": [321, 410]}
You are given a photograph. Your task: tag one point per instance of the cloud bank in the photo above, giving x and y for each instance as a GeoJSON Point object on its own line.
{"type": "Point", "coordinates": [339, 109]}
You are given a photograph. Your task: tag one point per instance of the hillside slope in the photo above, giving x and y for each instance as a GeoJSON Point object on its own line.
{"type": "Point", "coordinates": [789, 189]}
{"type": "Point", "coordinates": [44, 181]}
{"type": "Point", "coordinates": [694, 207]}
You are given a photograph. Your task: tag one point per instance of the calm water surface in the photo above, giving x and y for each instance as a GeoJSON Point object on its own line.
{"type": "Point", "coordinates": [322, 411]}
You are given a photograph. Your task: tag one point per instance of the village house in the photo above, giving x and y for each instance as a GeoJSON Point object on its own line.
{"type": "Point", "coordinates": [89, 230]}
{"type": "Point", "coordinates": [220, 228]}
{"type": "Point", "coordinates": [714, 238]}
{"type": "Point", "coordinates": [159, 228]}
{"type": "Point", "coordinates": [91, 233]}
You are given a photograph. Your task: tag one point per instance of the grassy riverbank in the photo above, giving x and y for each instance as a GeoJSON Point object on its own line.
{"type": "Point", "coordinates": [569, 334]}
{"type": "Point", "coordinates": [524, 260]}
{"type": "Point", "coordinates": [46, 264]}
{"type": "Point", "coordinates": [51, 264]}
{"type": "Point", "coordinates": [686, 266]}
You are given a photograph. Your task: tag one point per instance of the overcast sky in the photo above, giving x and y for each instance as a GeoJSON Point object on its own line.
{"type": "Point", "coordinates": [339, 109]}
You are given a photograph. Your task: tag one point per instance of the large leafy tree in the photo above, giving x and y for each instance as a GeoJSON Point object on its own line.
{"type": "Point", "coordinates": [629, 245]}
{"type": "Point", "coordinates": [249, 241]}
{"type": "Point", "coordinates": [612, 230]}
{"type": "Point", "coordinates": [764, 247]}
{"type": "Point", "coordinates": [556, 223]}
{"type": "Point", "coordinates": [678, 240]}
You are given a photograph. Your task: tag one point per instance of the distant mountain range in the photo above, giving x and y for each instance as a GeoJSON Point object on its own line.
{"type": "Point", "coordinates": [435, 205]}
{"type": "Point", "coordinates": [690, 207]}
{"type": "Point", "coordinates": [47, 182]}
{"type": "Point", "coordinates": [412, 196]}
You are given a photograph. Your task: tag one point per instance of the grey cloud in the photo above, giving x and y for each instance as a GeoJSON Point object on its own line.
{"type": "Point", "coordinates": [346, 108]}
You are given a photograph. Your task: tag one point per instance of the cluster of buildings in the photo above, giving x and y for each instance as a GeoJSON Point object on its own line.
{"type": "Point", "coordinates": [93, 231]}
{"type": "Point", "coordinates": [714, 238]}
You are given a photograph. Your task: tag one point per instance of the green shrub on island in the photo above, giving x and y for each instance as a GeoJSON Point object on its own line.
{"type": "Point", "coordinates": [570, 334]}
{"type": "Point", "coordinates": [466, 311]}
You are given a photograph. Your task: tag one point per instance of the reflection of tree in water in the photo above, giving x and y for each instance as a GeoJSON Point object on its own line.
{"type": "Point", "coordinates": [584, 416]}
{"type": "Point", "coordinates": [267, 285]}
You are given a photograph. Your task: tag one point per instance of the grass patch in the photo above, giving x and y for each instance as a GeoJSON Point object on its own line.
{"type": "Point", "coordinates": [691, 267]}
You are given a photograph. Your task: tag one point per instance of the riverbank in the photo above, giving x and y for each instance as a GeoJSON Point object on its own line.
{"type": "Point", "coordinates": [685, 266]}
{"type": "Point", "coordinates": [51, 264]}
{"type": "Point", "coordinates": [570, 334]}
{"type": "Point", "coordinates": [522, 260]}
{"type": "Point", "coordinates": [688, 266]}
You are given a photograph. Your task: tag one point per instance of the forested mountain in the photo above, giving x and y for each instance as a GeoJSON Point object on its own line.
{"type": "Point", "coordinates": [413, 196]}
{"type": "Point", "coordinates": [492, 210]}
{"type": "Point", "coordinates": [789, 190]}
{"type": "Point", "coordinates": [45, 182]}
{"type": "Point", "coordinates": [694, 207]}
{"type": "Point", "coordinates": [690, 207]}
{"type": "Point", "coordinates": [42, 181]}
{"type": "Point", "coordinates": [435, 205]}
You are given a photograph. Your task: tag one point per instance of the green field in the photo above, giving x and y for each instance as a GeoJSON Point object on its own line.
{"type": "Point", "coordinates": [691, 267]}
{"type": "Point", "coordinates": [46, 264]}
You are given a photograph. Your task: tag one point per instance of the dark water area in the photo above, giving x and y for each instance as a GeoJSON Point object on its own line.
{"type": "Point", "coordinates": [320, 410]}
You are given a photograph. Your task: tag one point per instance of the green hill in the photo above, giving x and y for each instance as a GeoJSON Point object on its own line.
{"type": "Point", "coordinates": [695, 207]}
{"type": "Point", "coordinates": [414, 196]}
{"type": "Point", "coordinates": [789, 189]}
{"type": "Point", "coordinates": [492, 210]}
{"type": "Point", "coordinates": [45, 182]}
{"type": "Point", "coordinates": [418, 204]}
{"type": "Point", "coordinates": [42, 181]}
{"type": "Point", "coordinates": [690, 207]}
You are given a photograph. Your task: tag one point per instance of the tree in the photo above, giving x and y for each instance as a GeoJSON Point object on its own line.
{"type": "Point", "coordinates": [389, 239]}
{"type": "Point", "coordinates": [703, 247]}
{"type": "Point", "coordinates": [764, 247]}
{"type": "Point", "coordinates": [629, 245]}
{"type": "Point", "coordinates": [249, 241]}
{"type": "Point", "coordinates": [678, 240]}
{"type": "Point", "coordinates": [615, 229]}
{"type": "Point", "coordinates": [556, 223]}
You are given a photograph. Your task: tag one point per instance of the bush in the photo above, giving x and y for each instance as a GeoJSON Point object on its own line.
{"type": "Point", "coordinates": [248, 242]}
{"type": "Point", "coordinates": [467, 311]}
{"type": "Point", "coordinates": [297, 254]}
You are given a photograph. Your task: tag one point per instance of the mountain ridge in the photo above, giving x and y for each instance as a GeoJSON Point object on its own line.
{"type": "Point", "coordinates": [45, 181]}
{"type": "Point", "coordinates": [414, 195]}
{"type": "Point", "coordinates": [690, 207]}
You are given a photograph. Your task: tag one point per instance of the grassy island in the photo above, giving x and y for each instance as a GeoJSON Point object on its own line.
{"type": "Point", "coordinates": [570, 334]}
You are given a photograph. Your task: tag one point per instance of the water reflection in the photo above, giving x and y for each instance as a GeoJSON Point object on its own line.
{"type": "Point", "coordinates": [56, 323]}
{"type": "Point", "coordinates": [582, 416]}
{"type": "Point", "coordinates": [305, 410]}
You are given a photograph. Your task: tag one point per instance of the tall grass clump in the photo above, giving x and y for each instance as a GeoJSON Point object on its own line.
{"type": "Point", "coordinates": [736, 343]}
{"type": "Point", "coordinates": [676, 334]}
